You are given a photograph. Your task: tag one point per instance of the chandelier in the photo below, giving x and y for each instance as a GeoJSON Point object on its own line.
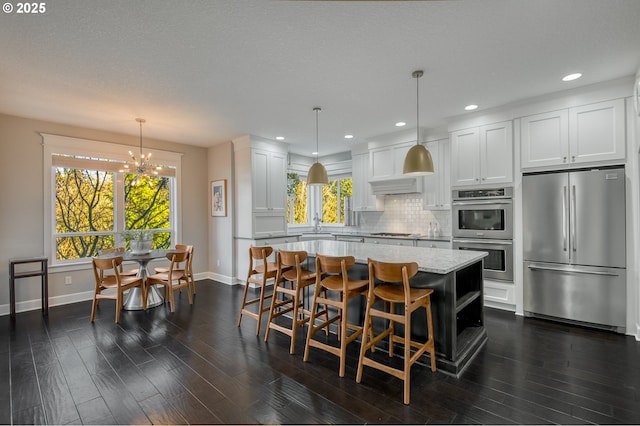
{"type": "Point", "coordinates": [142, 164]}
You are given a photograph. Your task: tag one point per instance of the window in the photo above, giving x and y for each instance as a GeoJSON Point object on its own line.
{"type": "Point", "coordinates": [327, 200]}
{"type": "Point", "coordinates": [333, 199]}
{"type": "Point", "coordinates": [93, 201]}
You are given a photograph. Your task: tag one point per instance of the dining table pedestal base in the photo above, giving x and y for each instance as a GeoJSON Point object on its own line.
{"type": "Point", "coordinates": [133, 301]}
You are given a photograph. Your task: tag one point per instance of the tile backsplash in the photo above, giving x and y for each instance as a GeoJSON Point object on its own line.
{"type": "Point", "coordinates": [404, 213]}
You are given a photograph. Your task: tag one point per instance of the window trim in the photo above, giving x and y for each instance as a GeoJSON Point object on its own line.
{"type": "Point", "coordinates": [56, 144]}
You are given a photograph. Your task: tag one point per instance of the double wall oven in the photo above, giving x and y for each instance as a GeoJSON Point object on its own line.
{"type": "Point", "coordinates": [483, 221]}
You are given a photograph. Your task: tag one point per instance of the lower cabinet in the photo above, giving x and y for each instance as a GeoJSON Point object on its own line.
{"type": "Point", "coordinates": [433, 244]}
{"type": "Point", "coordinates": [389, 241]}
{"type": "Point", "coordinates": [499, 295]}
{"type": "Point", "coordinates": [242, 253]}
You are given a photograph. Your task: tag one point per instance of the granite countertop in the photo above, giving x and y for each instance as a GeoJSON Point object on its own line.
{"type": "Point", "coordinates": [354, 234]}
{"type": "Point", "coordinates": [399, 237]}
{"type": "Point", "coordinates": [438, 261]}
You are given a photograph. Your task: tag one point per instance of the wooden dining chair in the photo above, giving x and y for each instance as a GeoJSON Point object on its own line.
{"type": "Point", "coordinates": [334, 288]}
{"type": "Point", "coordinates": [129, 272]}
{"type": "Point", "coordinates": [392, 294]}
{"type": "Point", "coordinates": [290, 299]}
{"type": "Point", "coordinates": [187, 267]}
{"type": "Point", "coordinates": [259, 274]}
{"type": "Point", "coordinates": [107, 276]}
{"type": "Point", "coordinates": [174, 279]}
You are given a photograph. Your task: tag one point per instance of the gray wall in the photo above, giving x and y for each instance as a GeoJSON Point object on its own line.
{"type": "Point", "coordinates": [221, 228]}
{"type": "Point", "coordinates": [22, 204]}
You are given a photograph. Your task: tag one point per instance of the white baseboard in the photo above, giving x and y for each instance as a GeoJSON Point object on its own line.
{"type": "Point", "coordinates": [36, 304]}
{"type": "Point", "coordinates": [498, 305]}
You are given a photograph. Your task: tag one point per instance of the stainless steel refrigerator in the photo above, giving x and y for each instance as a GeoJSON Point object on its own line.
{"type": "Point", "coordinates": [574, 246]}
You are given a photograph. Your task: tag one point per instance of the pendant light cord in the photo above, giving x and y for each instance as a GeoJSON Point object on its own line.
{"type": "Point", "coordinates": [317, 110]}
{"type": "Point", "coordinates": [417, 110]}
{"type": "Point", "coordinates": [417, 75]}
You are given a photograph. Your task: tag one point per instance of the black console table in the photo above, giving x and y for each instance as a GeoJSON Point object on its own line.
{"type": "Point", "coordinates": [42, 272]}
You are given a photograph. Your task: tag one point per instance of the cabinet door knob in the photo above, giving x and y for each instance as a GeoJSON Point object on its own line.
{"type": "Point", "coordinates": [573, 158]}
{"type": "Point", "coordinates": [564, 159]}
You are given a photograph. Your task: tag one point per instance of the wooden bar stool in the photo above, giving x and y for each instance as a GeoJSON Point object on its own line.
{"type": "Point", "coordinates": [289, 265]}
{"type": "Point", "coordinates": [335, 281]}
{"type": "Point", "coordinates": [391, 294]}
{"type": "Point", "coordinates": [263, 271]}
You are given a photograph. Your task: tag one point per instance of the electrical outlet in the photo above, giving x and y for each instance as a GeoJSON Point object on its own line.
{"type": "Point", "coordinates": [67, 280]}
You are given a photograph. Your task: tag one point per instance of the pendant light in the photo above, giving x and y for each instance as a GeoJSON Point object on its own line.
{"type": "Point", "coordinates": [317, 173]}
{"type": "Point", "coordinates": [418, 161]}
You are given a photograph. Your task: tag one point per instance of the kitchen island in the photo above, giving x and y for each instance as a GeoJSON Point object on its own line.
{"type": "Point", "coordinates": [457, 301]}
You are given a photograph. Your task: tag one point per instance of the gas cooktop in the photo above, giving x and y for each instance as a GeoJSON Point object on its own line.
{"type": "Point", "coordinates": [390, 234]}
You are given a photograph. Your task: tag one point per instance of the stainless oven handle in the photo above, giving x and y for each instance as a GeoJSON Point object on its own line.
{"type": "Point", "coordinates": [481, 202]}
{"type": "Point", "coordinates": [487, 242]}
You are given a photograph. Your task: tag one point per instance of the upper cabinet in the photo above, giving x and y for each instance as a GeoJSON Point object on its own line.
{"type": "Point", "coordinates": [269, 175]}
{"type": "Point", "coordinates": [388, 161]}
{"type": "Point", "coordinates": [588, 134]}
{"type": "Point", "coordinates": [260, 187]}
{"type": "Point", "coordinates": [437, 187]}
{"type": "Point", "coordinates": [363, 198]}
{"type": "Point", "coordinates": [482, 155]}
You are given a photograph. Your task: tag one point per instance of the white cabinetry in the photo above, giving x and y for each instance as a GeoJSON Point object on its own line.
{"type": "Point", "coordinates": [587, 134]}
{"type": "Point", "coordinates": [436, 189]}
{"type": "Point", "coordinates": [433, 244]}
{"type": "Point", "coordinates": [363, 198]}
{"type": "Point", "coordinates": [389, 241]}
{"type": "Point", "coordinates": [499, 295]}
{"type": "Point", "coordinates": [242, 252]}
{"type": "Point", "coordinates": [260, 187]}
{"type": "Point", "coordinates": [269, 176]}
{"type": "Point", "coordinates": [482, 155]}
{"type": "Point", "coordinates": [388, 161]}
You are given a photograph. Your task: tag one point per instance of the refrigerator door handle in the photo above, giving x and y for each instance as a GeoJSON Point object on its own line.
{"type": "Point", "coordinates": [573, 218]}
{"type": "Point", "coordinates": [575, 271]}
{"type": "Point", "coordinates": [564, 218]}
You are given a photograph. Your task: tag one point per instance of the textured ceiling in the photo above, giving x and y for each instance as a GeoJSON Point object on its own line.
{"type": "Point", "coordinates": [204, 72]}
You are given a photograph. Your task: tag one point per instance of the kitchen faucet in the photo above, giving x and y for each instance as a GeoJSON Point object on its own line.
{"type": "Point", "coordinates": [316, 223]}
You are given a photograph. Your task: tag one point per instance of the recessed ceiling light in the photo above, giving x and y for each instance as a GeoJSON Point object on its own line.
{"type": "Point", "coordinates": [315, 153]}
{"type": "Point", "coordinates": [348, 136]}
{"type": "Point", "coordinates": [280, 138]}
{"type": "Point", "coordinates": [471, 107]}
{"type": "Point", "coordinates": [571, 77]}
{"type": "Point", "coordinates": [400, 124]}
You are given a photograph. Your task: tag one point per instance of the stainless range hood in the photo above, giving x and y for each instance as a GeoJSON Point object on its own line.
{"type": "Point", "coordinates": [396, 185]}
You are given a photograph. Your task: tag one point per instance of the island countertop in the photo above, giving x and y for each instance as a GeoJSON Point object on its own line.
{"type": "Point", "coordinates": [457, 302]}
{"type": "Point", "coordinates": [433, 260]}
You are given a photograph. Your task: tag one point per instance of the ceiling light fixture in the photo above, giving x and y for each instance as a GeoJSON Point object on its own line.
{"type": "Point", "coordinates": [279, 138]}
{"type": "Point", "coordinates": [142, 164]}
{"type": "Point", "coordinates": [572, 77]}
{"type": "Point", "coordinates": [317, 173]}
{"type": "Point", "coordinates": [418, 161]}
{"type": "Point", "coordinates": [348, 136]}
{"type": "Point", "coordinates": [471, 107]}
{"type": "Point", "coordinates": [400, 124]}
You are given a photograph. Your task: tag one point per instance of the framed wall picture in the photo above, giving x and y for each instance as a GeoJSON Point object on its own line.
{"type": "Point", "coordinates": [219, 197]}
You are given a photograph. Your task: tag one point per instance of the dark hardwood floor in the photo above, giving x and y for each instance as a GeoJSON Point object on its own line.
{"type": "Point", "coordinates": [196, 366]}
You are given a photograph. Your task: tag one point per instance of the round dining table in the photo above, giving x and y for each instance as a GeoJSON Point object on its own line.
{"type": "Point", "coordinates": [133, 300]}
